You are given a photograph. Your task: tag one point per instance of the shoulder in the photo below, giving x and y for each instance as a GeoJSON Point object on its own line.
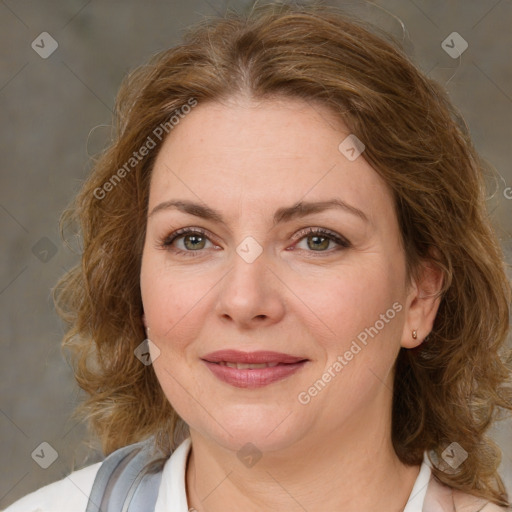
{"type": "Point", "coordinates": [67, 495]}
{"type": "Point", "coordinates": [441, 498]}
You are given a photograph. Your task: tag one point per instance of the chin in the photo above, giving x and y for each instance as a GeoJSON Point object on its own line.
{"type": "Point", "coordinates": [265, 430]}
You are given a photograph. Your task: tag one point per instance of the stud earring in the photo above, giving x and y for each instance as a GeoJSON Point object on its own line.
{"type": "Point", "coordinates": [414, 334]}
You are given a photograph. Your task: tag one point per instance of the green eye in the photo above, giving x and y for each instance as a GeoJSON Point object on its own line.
{"type": "Point", "coordinates": [319, 240]}
{"type": "Point", "coordinates": [316, 242]}
{"type": "Point", "coordinates": [193, 242]}
{"type": "Point", "coordinates": [187, 241]}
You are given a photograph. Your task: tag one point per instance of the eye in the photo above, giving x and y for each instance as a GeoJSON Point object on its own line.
{"type": "Point", "coordinates": [187, 241]}
{"type": "Point", "coordinates": [193, 241]}
{"type": "Point", "coordinates": [320, 240]}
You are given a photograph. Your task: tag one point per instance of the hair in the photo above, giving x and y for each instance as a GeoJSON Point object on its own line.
{"type": "Point", "coordinates": [450, 389]}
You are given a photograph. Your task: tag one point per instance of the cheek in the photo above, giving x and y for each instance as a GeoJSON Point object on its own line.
{"type": "Point", "coordinates": [370, 327]}
{"type": "Point", "coordinates": [351, 299]}
{"type": "Point", "coordinates": [362, 307]}
{"type": "Point", "coordinates": [172, 300]}
{"type": "Point", "coordinates": [363, 310]}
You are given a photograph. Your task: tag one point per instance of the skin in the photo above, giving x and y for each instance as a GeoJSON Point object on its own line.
{"type": "Point", "coordinates": [246, 159]}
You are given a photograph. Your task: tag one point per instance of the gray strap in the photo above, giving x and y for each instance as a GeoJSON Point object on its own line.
{"type": "Point", "coordinates": [126, 482]}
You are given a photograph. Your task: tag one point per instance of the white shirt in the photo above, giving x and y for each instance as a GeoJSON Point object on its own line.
{"type": "Point", "coordinates": [71, 493]}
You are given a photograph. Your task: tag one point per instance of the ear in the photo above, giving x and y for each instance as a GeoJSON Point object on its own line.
{"type": "Point", "coordinates": [422, 303]}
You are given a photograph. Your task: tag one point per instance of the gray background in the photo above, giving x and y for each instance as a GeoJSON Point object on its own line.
{"type": "Point", "coordinates": [56, 114]}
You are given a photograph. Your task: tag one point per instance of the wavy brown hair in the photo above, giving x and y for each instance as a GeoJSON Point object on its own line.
{"type": "Point", "coordinates": [450, 389]}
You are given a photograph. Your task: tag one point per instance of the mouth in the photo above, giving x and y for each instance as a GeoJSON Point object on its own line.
{"type": "Point", "coordinates": [252, 369]}
{"type": "Point", "coordinates": [248, 366]}
{"type": "Point", "coordinates": [231, 356]}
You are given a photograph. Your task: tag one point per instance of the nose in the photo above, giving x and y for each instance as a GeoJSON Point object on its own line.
{"type": "Point", "coordinates": [250, 295]}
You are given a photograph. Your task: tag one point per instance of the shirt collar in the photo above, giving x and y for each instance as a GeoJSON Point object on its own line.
{"type": "Point", "coordinates": [172, 494]}
{"type": "Point", "coordinates": [419, 489]}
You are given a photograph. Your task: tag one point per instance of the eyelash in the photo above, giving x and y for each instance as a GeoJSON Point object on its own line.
{"type": "Point", "coordinates": [166, 243]}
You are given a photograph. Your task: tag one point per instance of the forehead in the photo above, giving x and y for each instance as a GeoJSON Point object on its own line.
{"type": "Point", "coordinates": [265, 153]}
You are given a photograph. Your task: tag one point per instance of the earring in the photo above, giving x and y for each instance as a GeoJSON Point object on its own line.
{"type": "Point", "coordinates": [414, 334]}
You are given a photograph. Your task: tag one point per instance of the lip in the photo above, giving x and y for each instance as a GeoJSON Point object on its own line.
{"type": "Point", "coordinates": [286, 365]}
{"type": "Point", "coordinates": [261, 356]}
{"type": "Point", "coordinates": [256, 378]}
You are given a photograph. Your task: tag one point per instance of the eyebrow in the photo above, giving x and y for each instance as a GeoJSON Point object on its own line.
{"type": "Point", "coordinates": [284, 214]}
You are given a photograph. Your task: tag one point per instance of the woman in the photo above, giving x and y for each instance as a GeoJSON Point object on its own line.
{"type": "Point", "coordinates": [293, 216]}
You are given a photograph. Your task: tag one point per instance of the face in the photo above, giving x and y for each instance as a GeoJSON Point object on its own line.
{"type": "Point", "coordinates": [263, 236]}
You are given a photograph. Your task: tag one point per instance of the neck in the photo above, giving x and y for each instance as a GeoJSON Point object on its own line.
{"type": "Point", "coordinates": [302, 476]}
